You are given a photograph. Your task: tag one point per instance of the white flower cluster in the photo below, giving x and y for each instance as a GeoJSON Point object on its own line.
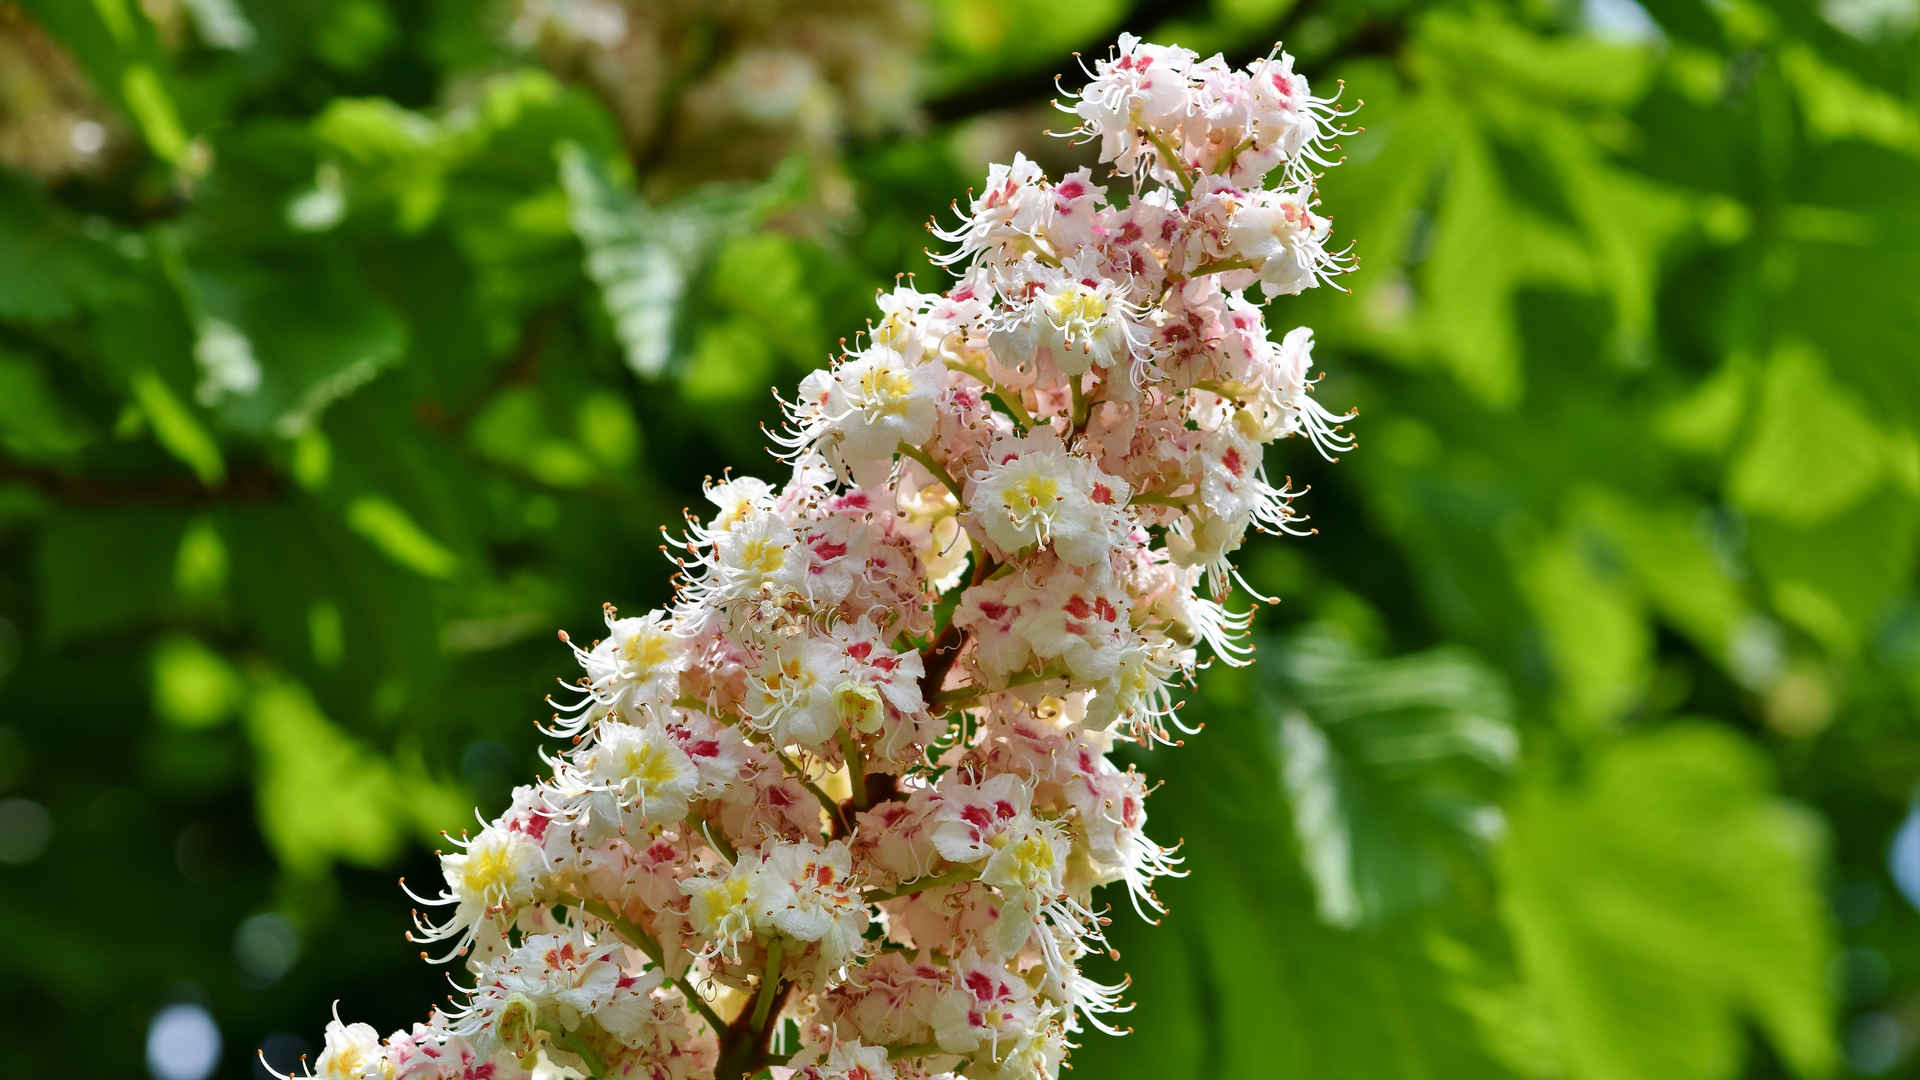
{"type": "Point", "coordinates": [841, 810]}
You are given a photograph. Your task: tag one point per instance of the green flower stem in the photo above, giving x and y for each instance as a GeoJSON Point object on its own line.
{"type": "Point", "coordinates": [917, 1050]}
{"type": "Point", "coordinates": [769, 983]}
{"type": "Point", "coordinates": [714, 836]}
{"type": "Point", "coordinates": [1172, 159]}
{"type": "Point", "coordinates": [571, 1041]}
{"type": "Point", "coordinates": [826, 801]}
{"type": "Point", "coordinates": [962, 695]}
{"type": "Point", "coordinates": [1225, 390]}
{"type": "Point", "coordinates": [1233, 155]}
{"type": "Point", "coordinates": [1009, 401]}
{"type": "Point", "coordinates": [958, 873]}
{"type": "Point", "coordinates": [1221, 266]}
{"type": "Point", "coordinates": [856, 768]}
{"type": "Point", "coordinates": [934, 467]}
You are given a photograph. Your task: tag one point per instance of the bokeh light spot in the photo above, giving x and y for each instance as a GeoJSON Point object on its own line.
{"type": "Point", "coordinates": [183, 1043]}
{"type": "Point", "coordinates": [25, 828]}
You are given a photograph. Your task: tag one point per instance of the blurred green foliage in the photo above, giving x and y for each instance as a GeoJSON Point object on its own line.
{"type": "Point", "coordinates": [1575, 748]}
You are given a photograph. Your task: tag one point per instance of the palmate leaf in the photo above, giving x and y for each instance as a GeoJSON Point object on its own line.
{"type": "Point", "coordinates": [1661, 898]}
{"type": "Point", "coordinates": [1392, 768]}
{"type": "Point", "coordinates": [645, 257]}
{"type": "Point", "coordinates": [1243, 979]}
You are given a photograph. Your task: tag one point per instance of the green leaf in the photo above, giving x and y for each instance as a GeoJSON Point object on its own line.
{"type": "Point", "coordinates": [1668, 553]}
{"type": "Point", "coordinates": [644, 258]}
{"type": "Point", "coordinates": [1662, 899]}
{"type": "Point", "coordinates": [193, 686]}
{"type": "Point", "coordinates": [1813, 452]}
{"type": "Point", "coordinates": [53, 266]}
{"type": "Point", "coordinates": [1841, 579]}
{"type": "Point", "coordinates": [92, 579]}
{"type": "Point", "coordinates": [34, 423]}
{"type": "Point", "coordinates": [152, 107]}
{"type": "Point", "coordinates": [1242, 979]}
{"type": "Point", "coordinates": [497, 145]}
{"type": "Point", "coordinates": [1594, 628]}
{"type": "Point", "coordinates": [122, 51]}
{"type": "Point", "coordinates": [277, 346]}
{"type": "Point", "coordinates": [325, 796]}
{"type": "Point", "coordinates": [175, 426]}
{"type": "Point", "coordinates": [1392, 767]}
{"type": "Point", "coordinates": [394, 531]}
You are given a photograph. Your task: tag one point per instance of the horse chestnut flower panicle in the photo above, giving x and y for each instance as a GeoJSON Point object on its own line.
{"type": "Point", "coordinates": [841, 810]}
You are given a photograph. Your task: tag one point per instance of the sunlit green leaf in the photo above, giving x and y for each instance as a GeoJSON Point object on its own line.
{"type": "Point", "coordinates": [193, 686]}
{"type": "Point", "coordinates": [324, 795]}
{"type": "Point", "coordinates": [1392, 767]}
{"type": "Point", "coordinates": [1812, 452]}
{"type": "Point", "coordinates": [645, 257]}
{"type": "Point", "coordinates": [176, 427]}
{"type": "Point", "coordinates": [1243, 978]}
{"type": "Point", "coordinates": [1594, 628]}
{"type": "Point", "coordinates": [1662, 896]}
{"type": "Point", "coordinates": [394, 531]}
{"type": "Point", "coordinates": [1841, 579]}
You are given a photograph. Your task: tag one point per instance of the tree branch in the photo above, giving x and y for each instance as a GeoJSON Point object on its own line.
{"type": "Point", "coordinates": [1036, 84]}
{"type": "Point", "coordinates": [1370, 37]}
{"type": "Point", "coordinates": [249, 484]}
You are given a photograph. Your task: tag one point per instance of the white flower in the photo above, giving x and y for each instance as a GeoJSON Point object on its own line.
{"type": "Point", "coordinates": [866, 407]}
{"type": "Point", "coordinates": [1035, 1054]}
{"type": "Point", "coordinates": [1011, 210]}
{"type": "Point", "coordinates": [807, 893]}
{"type": "Point", "coordinates": [971, 818]}
{"type": "Point", "coordinates": [638, 662]}
{"type": "Point", "coordinates": [857, 775]}
{"type": "Point", "coordinates": [1075, 620]}
{"type": "Point", "coordinates": [431, 1052]}
{"type": "Point", "coordinates": [791, 694]}
{"type": "Point", "coordinates": [737, 499]}
{"type": "Point", "coordinates": [641, 773]}
{"type": "Point", "coordinates": [1286, 241]}
{"type": "Point", "coordinates": [1290, 124]}
{"type": "Point", "coordinates": [1137, 695]}
{"type": "Point", "coordinates": [1289, 393]}
{"type": "Point", "coordinates": [1080, 316]}
{"type": "Point", "coordinates": [353, 1052]}
{"type": "Point", "coordinates": [849, 1060]}
{"type": "Point", "coordinates": [555, 979]}
{"type": "Point", "coordinates": [494, 873]}
{"type": "Point", "coordinates": [758, 552]}
{"type": "Point", "coordinates": [723, 908]}
{"type": "Point", "coordinates": [1028, 865]}
{"type": "Point", "coordinates": [1033, 491]}
{"type": "Point", "coordinates": [983, 1007]}
{"type": "Point", "coordinates": [1142, 84]}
